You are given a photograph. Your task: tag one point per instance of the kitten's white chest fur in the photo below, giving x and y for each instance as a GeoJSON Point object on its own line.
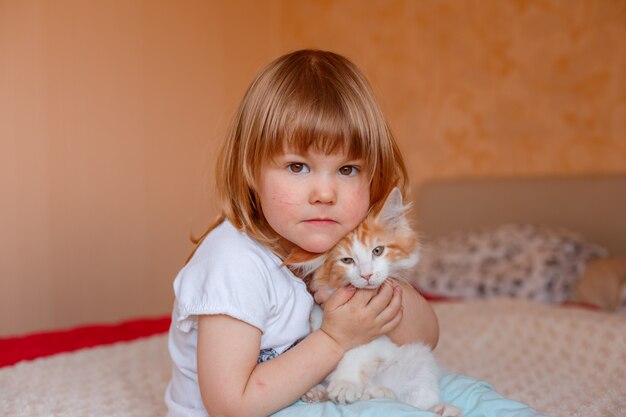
{"type": "Point", "coordinates": [382, 369]}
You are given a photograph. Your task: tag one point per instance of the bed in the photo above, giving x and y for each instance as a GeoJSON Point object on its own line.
{"type": "Point", "coordinates": [564, 354]}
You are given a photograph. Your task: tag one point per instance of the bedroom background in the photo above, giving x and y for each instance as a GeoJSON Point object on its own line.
{"type": "Point", "coordinates": [111, 113]}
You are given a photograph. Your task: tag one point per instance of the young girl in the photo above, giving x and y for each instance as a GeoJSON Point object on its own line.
{"type": "Point", "coordinates": [308, 155]}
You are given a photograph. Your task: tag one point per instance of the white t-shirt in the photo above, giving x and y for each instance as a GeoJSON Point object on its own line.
{"type": "Point", "coordinates": [231, 274]}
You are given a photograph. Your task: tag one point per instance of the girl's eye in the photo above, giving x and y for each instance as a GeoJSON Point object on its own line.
{"type": "Point", "coordinates": [347, 261]}
{"type": "Point", "coordinates": [298, 168]}
{"type": "Point", "coordinates": [378, 250]}
{"type": "Point", "coordinates": [348, 170]}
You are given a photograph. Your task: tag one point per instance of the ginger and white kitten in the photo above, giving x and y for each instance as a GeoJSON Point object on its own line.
{"type": "Point", "coordinates": [382, 246]}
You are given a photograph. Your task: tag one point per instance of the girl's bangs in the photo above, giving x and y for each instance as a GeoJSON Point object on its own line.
{"type": "Point", "coordinates": [321, 130]}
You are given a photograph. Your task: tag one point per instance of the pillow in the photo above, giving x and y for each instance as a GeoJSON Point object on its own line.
{"type": "Point", "coordinates": [603, 284]}
{"type": "Point", "coordinates": [515, 260]}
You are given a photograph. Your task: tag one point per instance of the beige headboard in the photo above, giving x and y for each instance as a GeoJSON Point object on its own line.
{"type": "Point", "coordinates": [592, 206]}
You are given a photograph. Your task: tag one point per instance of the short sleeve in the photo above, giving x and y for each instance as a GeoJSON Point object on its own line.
{"type": "Point", "coordinates": [224, 281]}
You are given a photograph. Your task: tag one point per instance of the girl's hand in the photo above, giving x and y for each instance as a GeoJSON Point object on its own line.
{"type": "Point", "coordinates": [419, 322]}
{"type": "Point", "coordinates": [322, 294]}
{"type": "Point", "coordinates": [353, 317]}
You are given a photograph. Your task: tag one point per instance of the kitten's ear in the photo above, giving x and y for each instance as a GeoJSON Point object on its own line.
{"type": "Point", "coordinates": [393, 211]}
{"type": "Point", "coordinates": [306, 262]}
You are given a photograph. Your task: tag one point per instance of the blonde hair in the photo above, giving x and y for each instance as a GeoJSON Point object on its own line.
{"type": "Point", "coordinates": [307, 99]}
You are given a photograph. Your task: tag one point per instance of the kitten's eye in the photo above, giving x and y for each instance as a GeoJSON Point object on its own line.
{"type": "Point", "coordinates": [378, 250]}
{"type": "Point", "coordinates": [347, 261]}
{"type": "Point", "coordinates": [348, 170]}
{"type": "Point", "coordinates": [298, 168]}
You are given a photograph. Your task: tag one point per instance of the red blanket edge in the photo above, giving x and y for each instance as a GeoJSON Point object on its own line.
{"type": "Point", "coordinates": [36, 345]}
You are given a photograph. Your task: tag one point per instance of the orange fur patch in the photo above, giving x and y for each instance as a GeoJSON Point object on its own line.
{"type": "Point", "coordinates": [399, 244]}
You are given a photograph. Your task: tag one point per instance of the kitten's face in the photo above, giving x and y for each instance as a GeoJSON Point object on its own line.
{"type": "Point", "coordinates": [383, 246]}
{"type": "Point", "coordinates": [367, 256]}
{"type": "Point", "coordinates": [363, 259]}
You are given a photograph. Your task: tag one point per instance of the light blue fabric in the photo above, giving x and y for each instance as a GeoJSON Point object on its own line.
{"type": "Point", "coordinates": [475, 399]}
{"type": "Point", "coordinates": [478, 398]}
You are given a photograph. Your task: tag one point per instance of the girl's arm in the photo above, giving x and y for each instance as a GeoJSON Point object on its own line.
{"type": "Point", "coordinates": [233, 384]}
{"type": "Point", "coordinates": [419, 322]}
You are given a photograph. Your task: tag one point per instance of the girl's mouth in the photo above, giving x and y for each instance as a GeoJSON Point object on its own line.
{"type": "Point", "coordinates": [321, 222]}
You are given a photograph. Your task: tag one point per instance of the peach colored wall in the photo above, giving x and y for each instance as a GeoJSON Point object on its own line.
{"type": "Point", "coordinates": [111, 112]}
{"type": "Point", "coordinates": [486, 87]}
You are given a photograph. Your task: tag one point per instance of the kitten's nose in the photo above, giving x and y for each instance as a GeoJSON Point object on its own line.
{"type": "Point", "coordinates": [366, 277]}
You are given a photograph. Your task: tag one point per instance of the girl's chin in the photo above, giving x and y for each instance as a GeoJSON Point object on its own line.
{"type": "Point", "coordinates": [317, 246]}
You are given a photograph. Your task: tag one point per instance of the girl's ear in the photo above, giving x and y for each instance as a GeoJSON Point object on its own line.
{"type": "Point", "coordinates": [305, 262]}
{"type": "Point", "coordinates": [393, 211]}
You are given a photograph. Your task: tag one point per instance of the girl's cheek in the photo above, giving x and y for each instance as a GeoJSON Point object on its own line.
{"type": "Point", "coordinates": [359, 203]}
{"type": "Point", "coordinates": [284, 199]}
{"type": "Point", "coordinates": [276, 191]}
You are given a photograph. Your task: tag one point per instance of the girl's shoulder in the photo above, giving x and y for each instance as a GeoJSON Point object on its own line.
{"type": "Point", "coordinates": [227, 250]}
{"type": "Point", "coordinates": [225, 241]}
{"type": "Point", "coordinates": [233, 274]}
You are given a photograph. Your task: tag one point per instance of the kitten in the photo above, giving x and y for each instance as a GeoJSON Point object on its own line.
{"type": "Point", "coordinates": [382, 246]}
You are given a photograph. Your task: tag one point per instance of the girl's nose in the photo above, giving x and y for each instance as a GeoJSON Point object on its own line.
{"type": "Point", "coordinates": [323, 192]}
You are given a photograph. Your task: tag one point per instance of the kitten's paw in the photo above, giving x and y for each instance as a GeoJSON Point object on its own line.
{"type": "Point", "coordinates": [317, 394]}
{"type": "Point", "coordinates": [446, 410]}
{"type": "Point", "coordinates": [344, 392]}
{"type": "Point", "coordinates": [378, 392]}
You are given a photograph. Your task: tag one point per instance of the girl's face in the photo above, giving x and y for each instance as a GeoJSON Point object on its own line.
{"type": "Point", "coordinates": [313, 200]}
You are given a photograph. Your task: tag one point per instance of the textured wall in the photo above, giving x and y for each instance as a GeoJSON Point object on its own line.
{"type": "Point", "coordinates": [111, 113]}
{"type": "Point", "coordinates": [486, 87]}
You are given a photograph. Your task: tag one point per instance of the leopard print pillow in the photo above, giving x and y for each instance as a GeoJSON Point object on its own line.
{"type": "Point", "coordinates": [515, 260]}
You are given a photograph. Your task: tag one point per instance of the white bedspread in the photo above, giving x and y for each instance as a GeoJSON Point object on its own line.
{"type": "Point", "coordinates": [565, 362]}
